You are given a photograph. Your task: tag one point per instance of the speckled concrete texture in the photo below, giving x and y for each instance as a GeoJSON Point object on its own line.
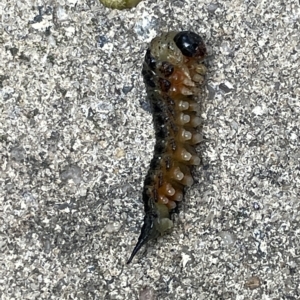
{"type": "Point", "coordinates": [76, 139]}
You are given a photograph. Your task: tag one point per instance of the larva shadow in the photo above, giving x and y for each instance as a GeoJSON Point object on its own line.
{"type": "Point", "coordinates": [173, 73]}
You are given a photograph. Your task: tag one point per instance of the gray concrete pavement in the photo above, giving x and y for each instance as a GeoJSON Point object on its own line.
{"type": "Point", "coordinates": [76, 139]}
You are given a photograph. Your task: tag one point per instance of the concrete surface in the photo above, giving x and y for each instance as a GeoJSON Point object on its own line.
{"type": "Point", "coordinates": [76, 141]}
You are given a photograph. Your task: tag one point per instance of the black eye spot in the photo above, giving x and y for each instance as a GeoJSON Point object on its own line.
{"type": "Point", "coordinates": [150, 60]}
{"type": "Point", "coordinates": [190, 44]}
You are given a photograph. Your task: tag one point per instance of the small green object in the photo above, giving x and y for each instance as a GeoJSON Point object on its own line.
{"type": "Point", "coordinates": [120, 4]}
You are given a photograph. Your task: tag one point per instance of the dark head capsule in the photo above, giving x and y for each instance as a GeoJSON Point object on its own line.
{"type": "Point", "coordinates": [190, 44]}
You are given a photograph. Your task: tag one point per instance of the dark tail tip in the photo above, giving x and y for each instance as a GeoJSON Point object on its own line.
{"type": "Point", "coordinates": [137, 247]}
{"type": "Point", "coordinates": [148, 231]}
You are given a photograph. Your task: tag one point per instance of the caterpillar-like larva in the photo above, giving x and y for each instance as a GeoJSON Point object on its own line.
{"type": "Point", "coordinates": [173, 74]}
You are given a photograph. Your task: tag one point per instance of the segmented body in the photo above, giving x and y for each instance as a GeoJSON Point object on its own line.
{"type": "Point", "coordinates": [173, 73]}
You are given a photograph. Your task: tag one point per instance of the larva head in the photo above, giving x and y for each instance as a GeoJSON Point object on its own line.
{"type": "Point", "coordinates": [190, 44]}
